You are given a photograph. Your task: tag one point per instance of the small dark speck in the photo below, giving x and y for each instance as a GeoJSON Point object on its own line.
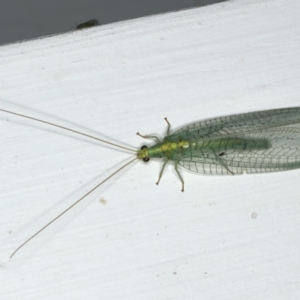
{"type": "Point", "coordinates": [254, 215]}
{"type": "Point", "coordinates": [88, 24]}
{"type": "Point", "coordinates": [103, 201]}
{"type": "Point", "coordinates": [175, 273]}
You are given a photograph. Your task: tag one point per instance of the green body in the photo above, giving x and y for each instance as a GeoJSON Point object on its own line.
{"type": "Point", "coordinates": [175, 150]}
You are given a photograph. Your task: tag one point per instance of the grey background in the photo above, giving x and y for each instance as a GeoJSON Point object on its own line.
{"type": "Point", "coordinates": [27, 19]}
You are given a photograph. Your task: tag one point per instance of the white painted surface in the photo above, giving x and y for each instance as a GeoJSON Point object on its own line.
{"type": "Point", "coordinates": [224, 237]}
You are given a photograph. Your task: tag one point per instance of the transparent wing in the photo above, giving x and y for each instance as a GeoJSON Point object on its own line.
{"type": "Point", "coordinates": [236, 124]}
{"type": "Point", "coordinates": [282, 154]}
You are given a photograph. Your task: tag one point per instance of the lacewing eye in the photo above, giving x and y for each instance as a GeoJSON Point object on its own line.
{"type": "Point", "coordinates": [145, 159]}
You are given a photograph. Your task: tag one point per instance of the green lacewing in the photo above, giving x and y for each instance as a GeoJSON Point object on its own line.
{"type": "Point", "coordinates": [256, 142]}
